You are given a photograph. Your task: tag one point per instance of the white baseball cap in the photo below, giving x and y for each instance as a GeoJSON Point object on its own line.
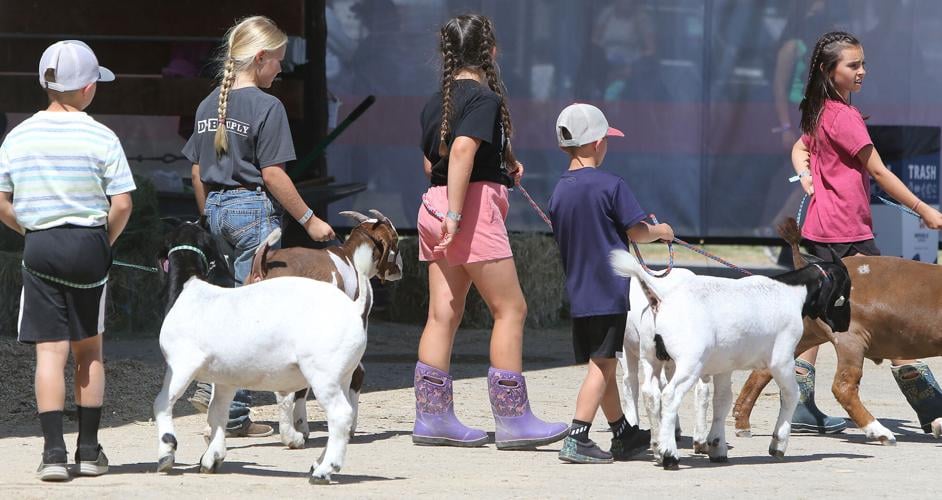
{"type": "Point", "coordinates": [75, 66]}
{"type": "Point", "coordinates": [580, 124]}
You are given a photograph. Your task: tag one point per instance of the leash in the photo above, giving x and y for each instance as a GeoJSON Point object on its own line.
{"type": "Point", "coordinates": [70, 284]}
{"type": "Point", "coordinates": [135, 266]}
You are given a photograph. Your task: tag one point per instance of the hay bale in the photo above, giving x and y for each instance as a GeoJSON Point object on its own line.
{"type": "Point", "coordinates": [538, 268]}
{"type": "Point", "coordinates": [11, 282]}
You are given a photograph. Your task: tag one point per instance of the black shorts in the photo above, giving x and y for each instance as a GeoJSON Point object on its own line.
{"type": "Point", "coordinates": [598, 336]}
{"type": "Point", "coordinates": [823, 250]}
{"type": "Point", "coordinates": [51, 311]}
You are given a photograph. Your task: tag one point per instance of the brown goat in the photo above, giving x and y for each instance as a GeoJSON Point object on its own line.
{"type": "Point", "coordinates": [895, 307]}
{"type": "Point", "coordinates": [371, 249]}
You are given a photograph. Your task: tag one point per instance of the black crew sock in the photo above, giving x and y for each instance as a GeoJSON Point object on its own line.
{"type": "Point", "coordinates": [53, 443]}
{"type": "Point", "coordinates": [620, 427]}
{"type": "Point", "coordinates": [89, 419]}
{"type": "Point", "coordinates": [579, 431]}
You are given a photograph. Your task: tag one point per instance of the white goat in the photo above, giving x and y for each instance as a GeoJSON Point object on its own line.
{"type": "Point", "coordinates": [371, 249]}
{"type": "Point", "coordinates": [712, 326]}
{"type": "Point", "coordinates": [279, 335]}
{"type": "Point", "coordinates": [655, 375]}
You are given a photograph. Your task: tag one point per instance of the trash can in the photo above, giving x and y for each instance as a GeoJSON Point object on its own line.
{"type": "Point", "coordinates": [912, 153]}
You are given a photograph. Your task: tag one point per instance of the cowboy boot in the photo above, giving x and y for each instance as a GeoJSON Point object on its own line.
{"type": "Point", "coordinates": [435, 420]}
{"type": "Point", "coordinates": [516, 427]}
{"type": "Point", "coordinates": [917, 383]}
{"type": "Point", "coordinates": [808, 418]}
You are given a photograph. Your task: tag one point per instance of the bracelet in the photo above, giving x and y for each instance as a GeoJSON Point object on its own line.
{"type": "Point", "coordinates": [797, 177]}
{"type": "Point", "coordinates": [306, 217]}
{"type": "Point", "coordinates": [455, 216]}
{"type": "Point", "coordinates": [919, 202]}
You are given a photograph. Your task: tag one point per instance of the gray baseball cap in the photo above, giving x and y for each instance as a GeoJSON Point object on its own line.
{"type": "Point", "coordinates": [75, 66]}
{"type": "Point", "coordinates": [580, 124]}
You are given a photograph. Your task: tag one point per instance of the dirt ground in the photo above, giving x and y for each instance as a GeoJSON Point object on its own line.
{"type": "Point", "coordinates": [382, 461]}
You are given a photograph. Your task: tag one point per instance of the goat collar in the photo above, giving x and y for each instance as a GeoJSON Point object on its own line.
{"type": "Point", "coordinates": [192, 249]}
{"type": "Point", "coordinates": [840, 300]}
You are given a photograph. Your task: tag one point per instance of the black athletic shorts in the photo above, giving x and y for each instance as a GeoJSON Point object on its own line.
{"type": "Point", "coordinates": [51, 311]}
{"type": "Point", "coordinates": [821, 250]}
{"type": "Point", "coordinates": [598, 336]}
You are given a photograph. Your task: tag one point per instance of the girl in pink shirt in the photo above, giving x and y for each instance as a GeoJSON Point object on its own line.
{"type": "Point", "coordinates": [835, 159]}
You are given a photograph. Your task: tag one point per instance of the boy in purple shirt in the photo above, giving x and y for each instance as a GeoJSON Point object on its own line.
{"type": "Point", "coordinates": [594, 212]}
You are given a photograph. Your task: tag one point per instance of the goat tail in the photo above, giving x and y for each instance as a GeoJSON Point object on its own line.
{"type": "Point", "coordinates": [789, 231]}
{"type": "Point", "coordinates": [272, 238]}
{"type": "Point", "coordinates": [624, 264]}
{"type": "Point", "coordinates": [260, 260]}
{"type": "Point", "coordinates": [659, 349]}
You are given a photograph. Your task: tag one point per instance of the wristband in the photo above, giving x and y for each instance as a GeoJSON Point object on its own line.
{"type": "Point", "coordinates": [455, 216]}
{"type": "Point", "coordinates": [797, 177]}
{"type": "Point", "coordinates": [306, 217]}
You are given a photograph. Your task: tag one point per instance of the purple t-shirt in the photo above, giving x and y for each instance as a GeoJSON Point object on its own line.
{"type": "Point", "coordinates": [591, 209]}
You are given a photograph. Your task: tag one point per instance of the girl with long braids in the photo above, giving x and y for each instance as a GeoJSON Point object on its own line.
{"type": "Point", "coordinates": [834, 160]}
{"type": "Point", "coordinates": [239, 147]}
{"type": "Point", "coordinates": [466, 132]}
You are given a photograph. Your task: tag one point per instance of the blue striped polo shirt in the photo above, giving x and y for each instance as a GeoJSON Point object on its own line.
{"type": "Point", "coordinates": [61, 167]}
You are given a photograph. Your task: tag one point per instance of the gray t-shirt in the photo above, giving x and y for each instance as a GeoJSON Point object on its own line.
{"type": "Point", "coordinates": [259, 137]}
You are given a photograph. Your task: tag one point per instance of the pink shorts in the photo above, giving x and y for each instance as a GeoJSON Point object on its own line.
{"type": "Point", "coordinates": [482, 235]}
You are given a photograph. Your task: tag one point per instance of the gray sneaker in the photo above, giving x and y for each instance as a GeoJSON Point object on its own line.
{"type": "Point", "coordinates": [95, 467]}
{"type": "Point", "coordinates": [53, 466]}
{"type": "Point", "coordinates": [577, 452]}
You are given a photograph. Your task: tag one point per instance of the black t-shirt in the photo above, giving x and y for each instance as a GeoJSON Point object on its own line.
{"type": "Point", "coordinates": [475, 114]}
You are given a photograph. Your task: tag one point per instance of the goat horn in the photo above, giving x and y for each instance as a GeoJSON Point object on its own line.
{"type": "Point", "coordinates": [357, 216]}
{"type": "Point", "coordinates": [379, 215]}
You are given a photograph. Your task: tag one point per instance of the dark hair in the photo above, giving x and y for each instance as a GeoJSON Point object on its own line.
{"type": "Point", "coordinates": [827, 53]}
{"type": "Point", "coordinates": [468, 41]}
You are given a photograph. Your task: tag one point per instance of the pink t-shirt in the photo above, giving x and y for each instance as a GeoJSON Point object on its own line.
{"type": "Point", "coordinates": [839, 211]}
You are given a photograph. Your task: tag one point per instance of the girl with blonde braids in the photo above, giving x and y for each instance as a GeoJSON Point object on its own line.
{"type": "Point", "coordinates": [834, 160]}
{"type": "Point", "coordinates": [466, 132]}
{"type": "Point", "coordinates": [239, 147]}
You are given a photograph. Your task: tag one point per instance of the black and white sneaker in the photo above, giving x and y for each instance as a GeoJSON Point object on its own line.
{"type": "Point", "coordinates": [632, 443]}
{"type": "Point", "coordinates": [95, 467]}
{"type": "Point", "coordinates": [53, 466]}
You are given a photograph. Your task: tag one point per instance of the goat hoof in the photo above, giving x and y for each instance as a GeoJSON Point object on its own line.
{"type": "Point", "coordinates": [212, 469]}
{"type": "Point", "coordinates": [700, 448]}
{"type": "Point", "coordinates": [165, 463]}
{"type": "Point", "coordinates": [887, 441]}
{"type": "Point", "coordinates": [719, 460]}
{"type": "Point", "coordinates": [317, 478]}
{"type": "Point", "coordinates": [777, 454]}
{"type": "Point", "coordinates": [670, 463]}
{"type": "Point", "coordinates": [744, 433]}
{"type": "Point", "coordinates": [937, 427]}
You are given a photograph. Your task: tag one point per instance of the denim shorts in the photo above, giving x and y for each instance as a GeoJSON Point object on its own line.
{"type": "Point", "coordinates": [240, 220]}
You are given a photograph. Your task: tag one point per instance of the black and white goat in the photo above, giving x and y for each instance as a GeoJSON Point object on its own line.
{"type": "Point", "coordinates": [257, 337]}
{"type": "Point", "coordinates": [712, 326]}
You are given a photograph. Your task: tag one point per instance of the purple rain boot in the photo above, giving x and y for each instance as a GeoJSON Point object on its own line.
{"type": "Point", "coordinates": [435, 420]}
{"type": "Point", "coordinates": [517, 428]}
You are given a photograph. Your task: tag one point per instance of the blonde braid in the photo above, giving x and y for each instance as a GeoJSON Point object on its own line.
{"type": "Point", "coordinates": [221, 140]}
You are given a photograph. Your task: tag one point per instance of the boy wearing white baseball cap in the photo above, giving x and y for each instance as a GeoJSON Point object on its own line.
{"type": "Point", "coordinates": [594, 212]}
{"type": "Point", "coordinates": [65, 185]}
